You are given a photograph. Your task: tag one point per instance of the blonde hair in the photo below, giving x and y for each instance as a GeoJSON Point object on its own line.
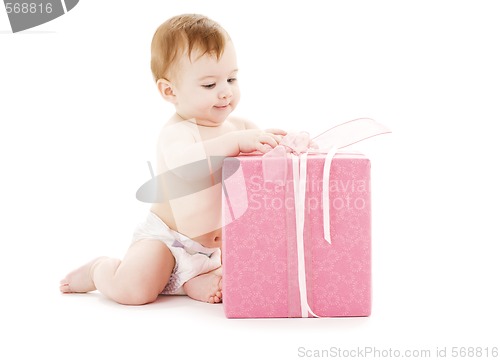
{"type": "Point", "coordinates": [182, 34]}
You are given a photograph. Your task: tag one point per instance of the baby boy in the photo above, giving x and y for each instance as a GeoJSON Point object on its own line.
{"type": "Point", "coordinates": [177, 249]}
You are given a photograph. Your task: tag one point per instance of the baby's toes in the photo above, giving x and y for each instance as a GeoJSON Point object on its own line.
{"type": "Point", "coordinates": [64, 287]}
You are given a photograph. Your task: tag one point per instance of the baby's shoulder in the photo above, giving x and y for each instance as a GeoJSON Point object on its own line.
{"type": "Point", "coordinates": [239, 123]}
{"type": "Point", "coordinates": [177, 131]}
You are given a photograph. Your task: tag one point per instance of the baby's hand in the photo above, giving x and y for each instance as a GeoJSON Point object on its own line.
{"type": "Point", "coordinates": [259, 140]}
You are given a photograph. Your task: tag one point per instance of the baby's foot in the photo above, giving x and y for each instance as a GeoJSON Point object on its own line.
{"type": "Point", "coordinates": [79, 280]}
{"type": "Point", "coordinates": [206, 288]}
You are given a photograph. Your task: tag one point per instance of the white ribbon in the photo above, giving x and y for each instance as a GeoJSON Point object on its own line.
{"type": "Point", "coordinates": [326, 194]}
{"type": "Point", "coordinates": [299, 167]}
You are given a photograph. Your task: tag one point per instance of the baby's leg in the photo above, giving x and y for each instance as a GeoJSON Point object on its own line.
{"type": "Point", "coordinates": [80, 279]}
{"type": "Point", "coordinates": [137, 280]}
{"type": "Point", "coordinates": [206, 287]}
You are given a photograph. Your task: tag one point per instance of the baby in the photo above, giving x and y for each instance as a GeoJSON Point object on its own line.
{"type": "Point", "coordinates": [177, 249]}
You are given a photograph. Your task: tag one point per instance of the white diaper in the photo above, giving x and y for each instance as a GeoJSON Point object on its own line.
{"type": "Point", "coordinates": [191, 258]}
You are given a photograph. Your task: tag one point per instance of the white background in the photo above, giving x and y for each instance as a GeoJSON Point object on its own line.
{"type": "Point", "coordinates": [79, 116]}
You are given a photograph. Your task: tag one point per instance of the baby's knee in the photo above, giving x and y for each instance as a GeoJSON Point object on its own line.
{"type": "Point", "coordinates": [136, 295]}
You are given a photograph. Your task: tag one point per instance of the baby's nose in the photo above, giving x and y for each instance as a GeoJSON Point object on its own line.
{"type": "Point", "coordinates": [225, 92]}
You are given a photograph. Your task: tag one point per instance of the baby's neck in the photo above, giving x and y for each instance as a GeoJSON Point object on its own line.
{"type": "Point", "coordinates": [200, 123]}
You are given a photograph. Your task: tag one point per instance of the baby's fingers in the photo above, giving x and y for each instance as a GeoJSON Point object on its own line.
{"type": "Point", "coordinates": [275, 131]}
{"type": "Point", "coordinates": [276, 136]}
{"type": "Point", "coordinates": [263, 148]}
{"type": "Point", "coordinates": [270, 139]}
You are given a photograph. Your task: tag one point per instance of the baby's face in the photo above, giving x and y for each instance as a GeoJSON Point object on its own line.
{"type": "Point", "coordinates": [207, 89]}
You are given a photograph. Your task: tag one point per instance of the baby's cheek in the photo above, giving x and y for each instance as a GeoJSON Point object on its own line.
{"type": "Point", "coordinates": [236, 96]}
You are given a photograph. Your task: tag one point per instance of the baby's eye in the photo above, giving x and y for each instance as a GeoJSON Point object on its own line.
{"type": "Point", "coordinates": [231, 80]}
{"type": "Point", "coordinates": [209, 86]}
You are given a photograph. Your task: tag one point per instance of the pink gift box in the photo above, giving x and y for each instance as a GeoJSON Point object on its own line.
{"type": "Point", "coordinates": [272, 268]}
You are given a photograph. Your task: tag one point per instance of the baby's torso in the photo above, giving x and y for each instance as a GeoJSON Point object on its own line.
{"type": "Point", "coordinates": [193, 208]}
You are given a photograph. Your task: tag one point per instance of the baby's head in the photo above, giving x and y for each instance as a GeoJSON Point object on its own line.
{"type": "Point", "coordinates": [194, 65]}
{"type": "Point", "coordinates": [185, 35]}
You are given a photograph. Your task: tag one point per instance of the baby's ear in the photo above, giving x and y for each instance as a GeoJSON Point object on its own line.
{"type": "Point", "coordinates": [166, 90]}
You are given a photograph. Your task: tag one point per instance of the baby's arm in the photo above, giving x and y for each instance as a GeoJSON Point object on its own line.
{"type": "Point", "coordinates": [180, 146]}
{"type": "Point", "coordinates": [278, 132]}
{"type": "Point", "coordinates": [243, 141]}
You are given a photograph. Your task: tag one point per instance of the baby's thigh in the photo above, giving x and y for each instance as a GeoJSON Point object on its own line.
{"type": "Point", "coordinates": [148, 264]}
